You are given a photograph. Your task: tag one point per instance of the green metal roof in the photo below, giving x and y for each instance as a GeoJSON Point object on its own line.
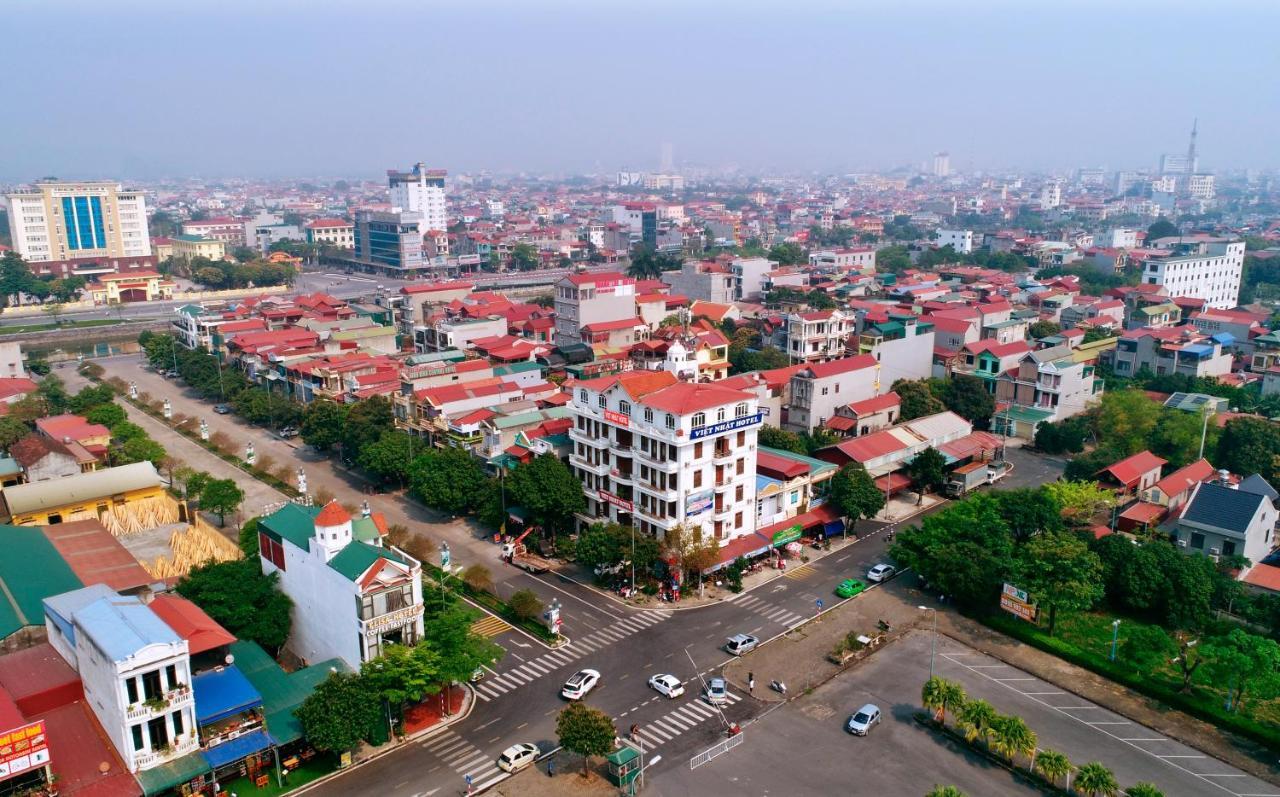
{"type": "Point", "coordinates": [193, 239]}
{"type": "Point", "coordinates": [158, 780]}
{"type": "Point", "coordinates": [533, 416]}
{"type": "Point", "coordinates": [817, 467]}
{"type": "Point", "coordinates": [1025, 414]}
{"type": "Point", "coordinates": [293, 522]}
{"type": "Point", "coordinates": [30, 571]}
{"type": "Point", "coordinates": [516, 368]}
{"type": "Point", "coordinates": [281, 692]}
{"type": "Point", "coordinates": [363, 332]}
{"type": "Point", "coordinates": [363, 529]}
{"type": "Point", "coordinates": [353, 560]}
{"type": "Point", "coordinates": [889, 327]}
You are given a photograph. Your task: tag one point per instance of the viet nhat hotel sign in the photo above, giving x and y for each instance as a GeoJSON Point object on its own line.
{"type": "Point", "coordinates": [616, 417]}
{"type": "Point", "coordinates": [726, 426]}
{"type": "Point", "coordinates": [621, 503]}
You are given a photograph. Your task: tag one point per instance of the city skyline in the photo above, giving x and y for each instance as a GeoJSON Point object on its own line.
{"type": "Point", "coordinates": [575, 88]}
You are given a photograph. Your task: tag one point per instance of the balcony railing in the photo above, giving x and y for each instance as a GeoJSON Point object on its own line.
{"type": "Point", "coordinates": [158, 705]}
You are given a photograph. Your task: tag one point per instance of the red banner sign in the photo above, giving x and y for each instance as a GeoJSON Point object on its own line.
{"type": "Point", "coordinates": [609, 497]}
{"type": "Point", "coordinates": [616, 417]}
{"type": "Point", "coordinates": [23, 749]}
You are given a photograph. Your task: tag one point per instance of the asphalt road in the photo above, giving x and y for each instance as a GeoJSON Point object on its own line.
{"type": "Point", "coordinates": [803, 749]}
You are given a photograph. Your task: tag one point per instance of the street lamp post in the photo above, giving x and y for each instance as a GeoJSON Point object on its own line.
{"type": "Point", "coordinates": [444, 566]}
{"type": "Point", "coordinates": [1115, 637]}
{"type": "Point", "coordinates": [933, 650]}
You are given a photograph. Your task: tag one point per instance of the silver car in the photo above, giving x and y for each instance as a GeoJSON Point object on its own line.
{"type": "Point", "coordinates": [741, 644]}
{"type": "Point", "coordinates": [716, 692]}
{"type": "Point", "coordinates": [860, 721]}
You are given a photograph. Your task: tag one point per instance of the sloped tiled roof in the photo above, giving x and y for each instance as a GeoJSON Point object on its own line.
{"type": "Point", "coordinates": [1222, 507]}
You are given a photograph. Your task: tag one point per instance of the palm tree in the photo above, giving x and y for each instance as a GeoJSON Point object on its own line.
{"type": "Point", "coordinates": [976, 717]}
{"type": "Point", "coordinates": [1053, 765]}
{"type": "Point", "coordinates": [1094, 779]}
{"type": "Point", "coordinates": [945, 791]}
{"type": "Point", "coordinates": [1010, 737]}
{"type": "Point", "coordinates": [940, 696]}
{"type": "Point", "coordinates": [1143, 790]}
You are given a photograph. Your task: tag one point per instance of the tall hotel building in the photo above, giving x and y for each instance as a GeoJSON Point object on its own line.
{"type": "Point", "coordinates": [86, 227]}
{"type": "Point", "coordinates": [655, 451]}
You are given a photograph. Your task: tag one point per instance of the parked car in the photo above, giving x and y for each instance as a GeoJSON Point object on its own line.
{"type": "Point", "coordinates": [741, 644]}
{"type": "Point", "coordinates": [288, 432]}
{"type": "Point", "coordinates": [667, 685]}
{"type": "Point", "coordinates": [716, 691]}
{"type": "Point", "coordinates": [850, 587]}
{"type": "Point", "coordinates": [518, 756]}
{"type": "Point", "coordinates": [860, 721]}
{"type": "Point", "coordinates": [222, 409]}
{"type": "Point", "coordinates": [579, 684]}
{"type": "Point", "coordinates": [171, 374]}
{"type": "Point", "coordinates": [881, 572]}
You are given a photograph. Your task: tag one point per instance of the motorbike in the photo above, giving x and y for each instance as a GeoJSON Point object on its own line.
{"type": "Point", "coordinates": [779, 687]}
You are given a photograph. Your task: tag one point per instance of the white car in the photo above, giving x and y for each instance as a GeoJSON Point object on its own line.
{"type": "Point", "coordinates": [861, 721]}
{"type": "Point", "coordinates": [518, 756]}
{"type": "Point", "coordinates": [716, 692]}
{"type": "Point", "coordinates": [579, 684]}
{"type": "Point", "coordinates": [668, 685]}
{"type": "Point", "coordinates": [881, 573]}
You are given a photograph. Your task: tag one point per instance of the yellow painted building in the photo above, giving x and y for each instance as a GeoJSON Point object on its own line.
{"type": "Point", "coordinates": [131, 286]}
{"type": "Point", "coordinates": [105, 495]}
{"type": "Point", "coordinates": [186, 247]}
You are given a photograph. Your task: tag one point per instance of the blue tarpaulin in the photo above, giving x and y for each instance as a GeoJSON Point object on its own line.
{"type": "Point", "coordinates": [223, 693]}
{"type": "Point", "coordinates": [236, 749]}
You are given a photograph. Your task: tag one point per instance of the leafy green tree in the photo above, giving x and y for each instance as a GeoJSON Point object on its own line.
{"type": "Point", "coordinates": [548, 491]}
{"type": "Point", "coordinates": [819, 300]}
{"type": "Point", "coordinates": [927, 469]}
{"type": "Point", "coordinates": [691, 550]}
{"type": "Point", "coordinates": [788, 254]}
{"type": "Point", "coordinates": [223, 496]}
{"type": "Point", "coordinates": [106, 414]}
{"type": "Point", "coordinates": [967, 397]}
{"type": "Point", "coordinates": [607, 544]}
{"type": "Point", "coordinates": [1177, 436]}
{"type": "Point", "coordinates": [1029, 511]}
{"type": "Point", "coordinates": [1095, 779]}
{"type": "Point", "coordinates": [11, 431]}
{"type": "Point", "coordinates": [90, 397]}
{"type": "Point", "coordinates": [855, 493]}
{"type": "Point", "coordinates": [54, 392]}
{"type": "Point", "coordinates": [1143, 790]}
{"type": "Point", "coordinates": [139, 449]}
{"type": "Point", "coordinates": [460, 650]}
{"type": "Point", "coordinates": [940, 696]}
{"type": "Point", "coordinates": [1011, 737]}
{"type": "Point", "coordinates": [586, 731]}
{"type": "Point", "coordinates": [478, 577]}
{"type": "Point", "coordinates": [1126, 420]}
{"type": "Point", "coordinates": [323, 423]}
{"type": "Point", "coordinates": [965, 551]}
{"type": "Point", "coordinates": [976, 718]}
{"type": "Point", "coordinates": [765, 359]}
{"type": "Point", "coordinates": [1054, 766]}
{"type": "Point", "coordinates": [339, 714]}
{"type": "Point", "coordinates": [1042, 329]}
{"type": "Point", "coordinates": [892, 259]}
{"type": "Point", "coordinates": [15, 277]}
{"type": "Point", "coordinates": [945, 791]}
{"type": "Point", "coordinates": [1162, 228]}
{"type": "Point", "coordinates": [366, 421]}
{"type": "Point", "coordinates": [1250, 445]}
{"type": "Point", "coordinates": [917, 399]}
{"type": "Point", "coordinates": [1061, 573]}
{"type": "Point", "coordinates": [388, 457]}
{"type": "Point", "coordinates": [402, 674]}
{"type": "Point", "coordinates": [1147, 648]}
{"type": "Point", "coordinates": [1242, 663]}
{"type": "Point", "coordinates": [524, 257]}
{"type": "Point", "coordinates": [773, 437]}
{"type": "Point", "coordinates": [248, 539]}
{"type": "Point", "coordinates": [525, 604]}
{"type": "Point", "coordinates": [449, 479]}
{"type": "Point", "coordinates": [243, 600]}
{"type": "Point", "coordinates": [1082, 502]}
{"type": "Point", "coordinates": [1062, 437]}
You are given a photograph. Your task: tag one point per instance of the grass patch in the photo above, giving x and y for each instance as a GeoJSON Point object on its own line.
{"type": "Point", "coordinates": [49, 327]}
{"type": "Point", "coordinates": [1084, 639]}
{"type": "Point", "coordinates": [319, 766]}
{"type": "Point", "coordinates": [491, 602]}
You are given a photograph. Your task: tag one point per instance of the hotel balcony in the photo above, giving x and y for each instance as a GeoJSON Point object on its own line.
{"type": "Point", "coordinates": [147, 709]}
{"type": "Point", "coordinates": [664, 465]}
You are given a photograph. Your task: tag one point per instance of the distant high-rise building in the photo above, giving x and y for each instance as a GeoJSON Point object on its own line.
{"type": "Point", "coordinates": [421, 190]}
{"type": "Point", "coordinates": [1091, 176]}
{"type": "Point", "coordinates": [1050, 196]}
{"type": "Point", "coordinates": [1174, 164]}
{"type": "Point", "coordinates": [941, 164]}
{"type": "Point", "coordinates": [667, 163]}
{"type": "Point", "coordinates": [65, 222]}
{"type": "Point", "coordinates": [1126, 180]}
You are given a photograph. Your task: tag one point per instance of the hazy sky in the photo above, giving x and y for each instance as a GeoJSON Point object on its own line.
{"type": "Point", "coordinates": [146, 88]}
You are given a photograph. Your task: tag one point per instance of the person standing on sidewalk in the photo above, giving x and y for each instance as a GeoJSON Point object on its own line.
{"type": "Point", "coordinates": [751, 683]}
{"type": "Point", "coordinates": [551, 767]}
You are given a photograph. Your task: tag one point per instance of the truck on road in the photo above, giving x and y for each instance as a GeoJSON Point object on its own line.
{"type": "Point", "coordinates": [518, 554]}
{"type": "Point", "coordinates": [975, 474]}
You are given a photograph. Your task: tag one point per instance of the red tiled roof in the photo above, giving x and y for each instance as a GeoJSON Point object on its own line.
{"type": "Point", "coordinates": [637, 384]}
{"type": "Point", "coordinates": [843, 365]}
{"type": "Point", "coordinates": [1185, 478]}
{"type": "Point", "coordinates": [72, 426]}
{"type": "Point", "coordinates": [869, 447]}
{"type": "Point", "coordinates": [332, 515]}
{"type": "Point", "coordinates": [611, 326]}
{"type": "Point", "coordinates": [686, 397]}
{"type": "Point", "coordinates": [1130, 469]}
{"type": "Point", "coordinates": [95, 555]}
{"type": "Point", "coordinates": [1264, 577]}
{"type": "Point", "coordinates": [876, 404]}
{"type": "Point", "coordinates": [16, 386]}
{"type": "Point", "coordinates": [190, 622]}
{"type": "Point", "coordinates": [1143, 513]}
{"type": "Point", "coordinates": [779, 467]}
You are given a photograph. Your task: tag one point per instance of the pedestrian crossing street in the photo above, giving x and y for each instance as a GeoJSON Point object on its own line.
{"type": "Point", "coordinates": [619, 629]}
{"type": "Point", "coordinates": [464, 758]}
{"type": "Point", "coordinates": [768, 610]}
{"type": "Point", "coordinates": [490, 626]}
{"type": "Point", "coordinates": [655, 733]}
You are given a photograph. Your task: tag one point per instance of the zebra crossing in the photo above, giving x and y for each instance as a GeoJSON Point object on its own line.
{"type": "Point", "coordinates": [800, 573]}
{"type": "Point", "coordinates": [654, 733]}
{"type": "Point", "coordinates": [619, 628]}
{"type": "Point", "coordinates": [465, 758]}
{"type": "Point", "coordinates": [769, 611]}
{"type": "Point", "coordinates": [490, 626]}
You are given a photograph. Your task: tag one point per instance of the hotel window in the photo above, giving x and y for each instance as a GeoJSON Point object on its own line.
{"type": "Point", "coordinates": [671, 421]}
{"type": "Point", "coordinates": [699, 419]}
{"type": "Point", "coordinates": [600, 401]}
{"type": "Point", "coordinates": [740, 411]}
{"type": "Point", "coordinates": [624, 407]}
{"type": "Point", "coordinates": [720, 414]}
{"type": "Point", "coordinates": [648, 415]}
{"type": "Point", "coordinates": [582, 396]}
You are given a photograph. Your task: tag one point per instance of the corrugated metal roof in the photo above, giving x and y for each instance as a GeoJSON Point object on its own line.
{"type": "Point", "coordinates": [25, 498]}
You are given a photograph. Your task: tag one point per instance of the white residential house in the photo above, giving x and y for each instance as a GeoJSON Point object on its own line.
{"type": "Point", "coordinates": [959, 240]}
{"type": "Point", "coordinates": [819, 389]}
{"type": "Point", "coordinates": [136, 672]}
{"type": "Point", "coordinates": [351, 596]}
{"type": "Point", "coordinates": [814, 336]}
{"type": "Point", "coordinates": [1226, 520]}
